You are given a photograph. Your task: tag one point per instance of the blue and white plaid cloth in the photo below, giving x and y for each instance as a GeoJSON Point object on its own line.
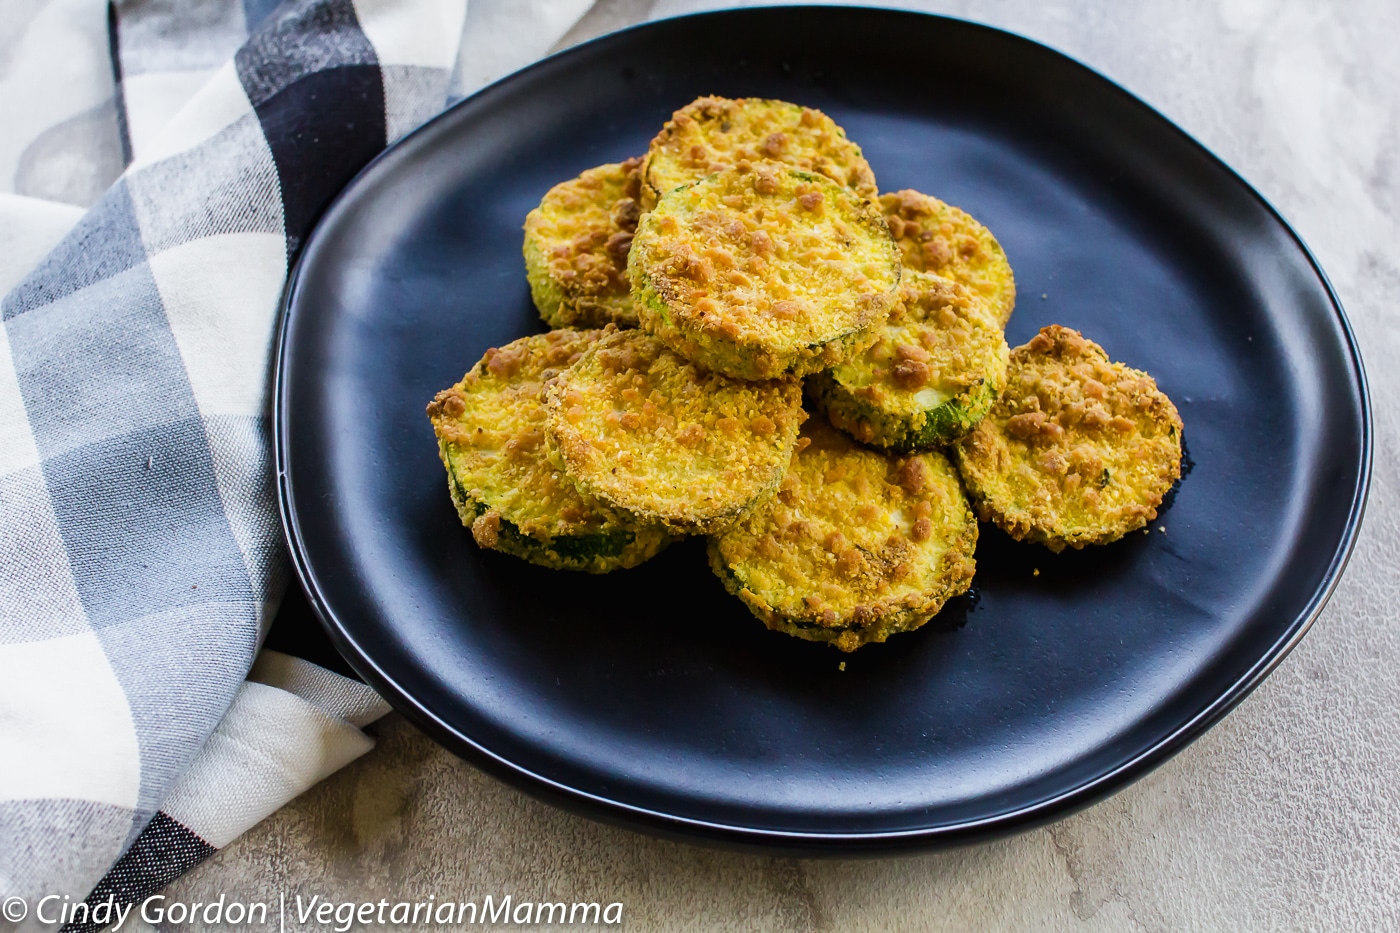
{"type": "Point", "coordinates": [141, 557]}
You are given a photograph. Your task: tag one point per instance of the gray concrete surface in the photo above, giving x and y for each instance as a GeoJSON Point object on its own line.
{"type": "Point", "coordinates": [1284, 817]}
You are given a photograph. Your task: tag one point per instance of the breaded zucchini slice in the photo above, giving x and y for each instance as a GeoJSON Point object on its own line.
{"type": "Point", "coordinates": [490, 430]}
{"type": "Point", "coordinates": [762, 270]}
{"type": "Point", "coordinates": [934, 372]}
{"type": "Point", "coordinates": [713, 133]}
{"type": "Point", "coordinates": [939, 238]}
{"type": "Point", "coordinates": [1078, 450]}
{"type": "Point", "coordinates": [576, 245]}
{"type": "Point", "coordinates": [856, 546]}
{"type": "Point", "coordinates": [656, 437]}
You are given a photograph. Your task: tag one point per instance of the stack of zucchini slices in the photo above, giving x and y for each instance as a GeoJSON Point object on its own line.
{"type": "Point", "coordinates": [694, 290]}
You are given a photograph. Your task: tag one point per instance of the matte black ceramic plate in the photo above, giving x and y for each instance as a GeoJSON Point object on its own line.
{"type": "Point", "coordinates": [652, 698]}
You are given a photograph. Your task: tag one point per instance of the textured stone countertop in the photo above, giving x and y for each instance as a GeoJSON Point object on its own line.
{"type": "Point", "coordinates": [1286, 816]}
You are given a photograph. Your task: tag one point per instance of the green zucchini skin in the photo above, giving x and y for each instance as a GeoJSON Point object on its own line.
{"type": "Point", "coordinates": [616, 549]}
{"type": "Point", "coordinates": [934, 371]}
{"type": "Point", "coordinates": [544, 291]}
{"type": "Point", "coordinates": [897, 431]}
{"type": "Point", "coordinates": [489, 430]}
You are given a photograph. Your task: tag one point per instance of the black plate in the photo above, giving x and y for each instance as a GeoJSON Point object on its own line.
{"type": "Point", "coordinates": [651, 697]}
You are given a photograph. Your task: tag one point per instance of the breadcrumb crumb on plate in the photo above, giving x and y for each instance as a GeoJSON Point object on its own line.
{"type": "Point", "coordinates": [857, 545]}
{"type": "Point", "coordinates": [659, 438]}
{"type": "Point", "coordinates": [490, 430]}
{"type": "Point", "coordinates": [1078, 450]}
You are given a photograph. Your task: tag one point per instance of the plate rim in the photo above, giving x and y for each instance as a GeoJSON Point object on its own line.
{"type": "Point", "coordinates": [814, 843]}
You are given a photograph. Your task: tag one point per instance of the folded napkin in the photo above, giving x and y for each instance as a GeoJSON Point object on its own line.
{"type": "Point", "coordinates": [141, 556]}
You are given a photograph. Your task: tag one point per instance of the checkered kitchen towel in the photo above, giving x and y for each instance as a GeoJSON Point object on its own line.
{"type": "Point", "coordinates": [140, 551]}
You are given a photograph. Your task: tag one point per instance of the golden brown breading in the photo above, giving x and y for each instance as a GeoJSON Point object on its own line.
{"type": "Point", "coordinates": [934, 372]}
{"type": "Point", "coordinates": [856, 546]}
{"type": "Point", "coordinates": [576, 245]}
{"type": "Point", "coordinates": [490, 429]}
{"type": "Point", "coordinates": [761, 270]}
{"type": "Point", "coordinates": [659, 438]}
{"type": "Point", "coordinates": [713, 133]}
{"type": "Point", "coordinates": [1079, 450]}
{"type": "Point", "coordinates": [939, 238]}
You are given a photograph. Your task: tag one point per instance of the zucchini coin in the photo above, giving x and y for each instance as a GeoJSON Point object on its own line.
{"type": "Point", "coordinates": [576, 245]}
{"type": "Point", "coordinates": [490, 430]}
{"type": "Point", "coordinates": [1078, 450]}
{"type": "Point", "coordinates": [665, 441]}
{"type": "Point", "coordinates": [939, 238]}
{"type": "Point", "coordinates": [856, 546]}
{"type": "Point", "coordinates": [713, 133]}
{"type": "Point", "coordinates": [934, 372]}
{"type": "Point", "coordinates": [762, 270]}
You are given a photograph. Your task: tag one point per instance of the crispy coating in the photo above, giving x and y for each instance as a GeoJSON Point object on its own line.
{"type": "Point", "coordinates": [1078, 450]}
{"type": "Point", "coordinates": [939, 238]}
{"type": "Point", "coordinates": [934, 372]}
{"type": "Point", "coordinates": [856, 546]}
{"type": "Point", "coordinates": [576, 245]}
{"type": "Point", "coordinates": [713, 133]}
{"type": "Point", "coordinates": [761, 270]}
{"type": "Point", "coordinates": [490, 430]}
{"type": "Point", "coordinates": [661, 439]}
